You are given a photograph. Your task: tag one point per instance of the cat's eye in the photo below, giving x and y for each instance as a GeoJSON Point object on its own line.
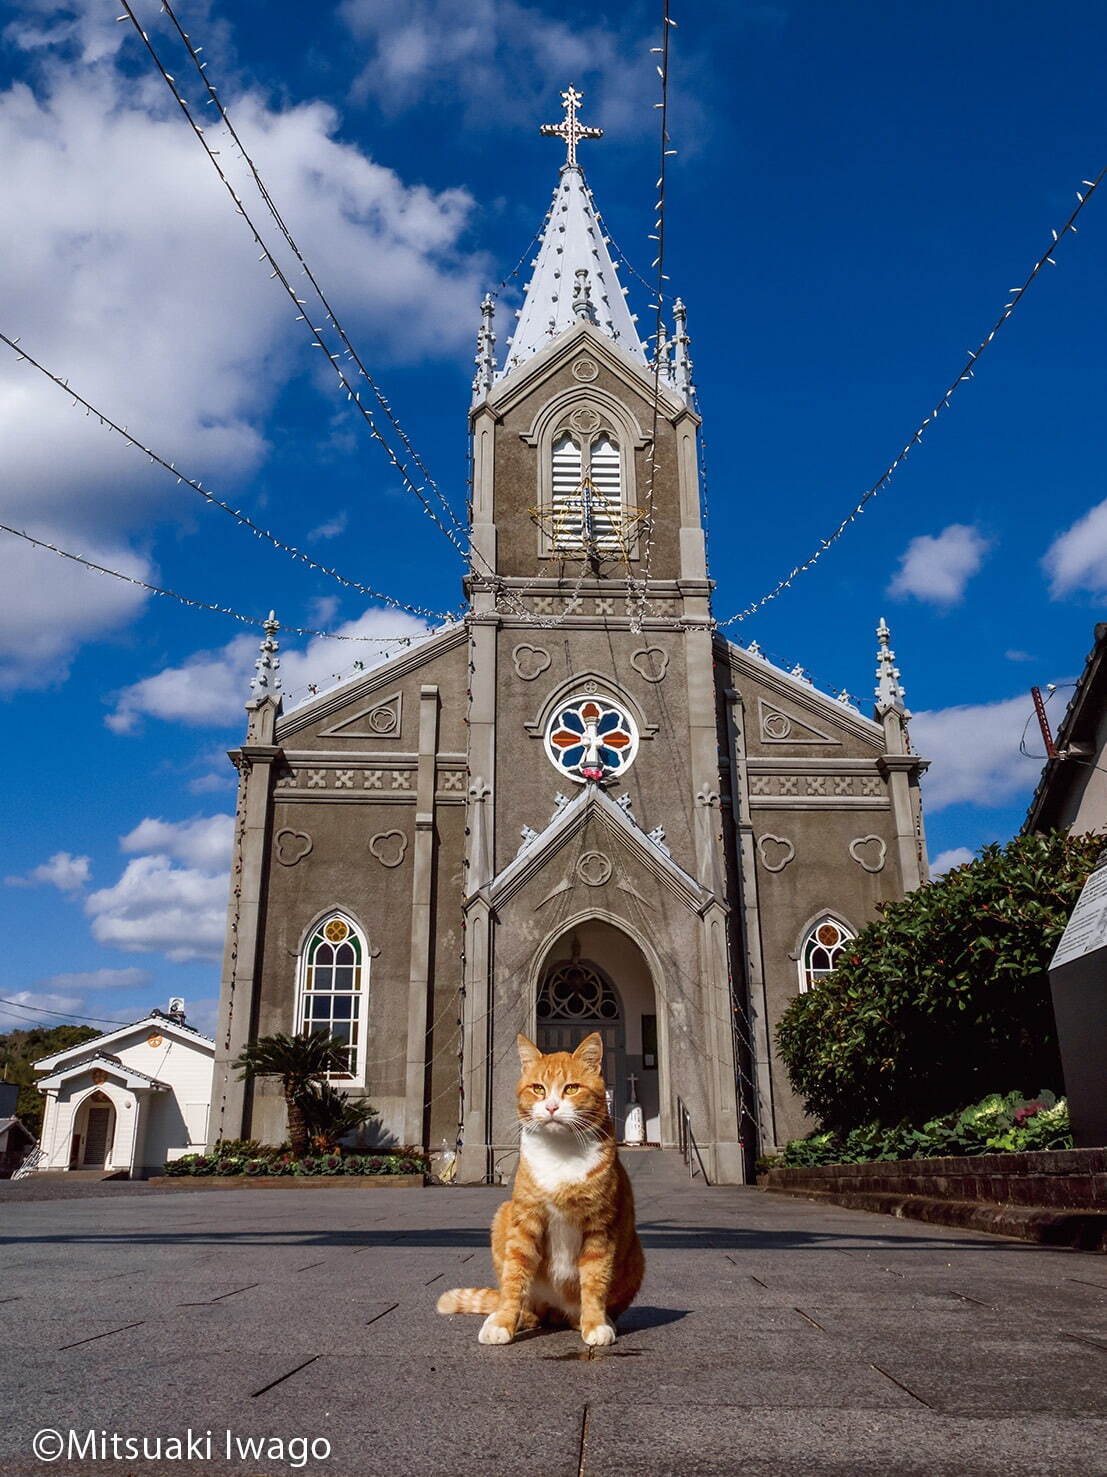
{"type": "Point", "coordinates": [570, 1087]}
{"type": "Point", "coordinates": [538, 1089]}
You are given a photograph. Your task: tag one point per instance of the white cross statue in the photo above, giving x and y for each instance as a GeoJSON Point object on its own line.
{"type": "Point", "coordinates": [569, 129]}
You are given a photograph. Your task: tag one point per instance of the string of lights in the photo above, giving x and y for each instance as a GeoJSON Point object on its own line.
{"type": "Point", "coordinates": [278, 273]}
{"type": "Point", "coordinates": [210, 497]}
{"type": "Point", "coordinates": [231, 614]}
{"type": "Point", "coordinates": [282, 226]}
{"type": "Point", "coordinates": [966, 373]}
{"type": "Point", "coordinates": [658, 235]}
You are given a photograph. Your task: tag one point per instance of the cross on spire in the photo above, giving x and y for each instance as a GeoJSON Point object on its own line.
{"type": "Point", "coordinates": [569, 130]}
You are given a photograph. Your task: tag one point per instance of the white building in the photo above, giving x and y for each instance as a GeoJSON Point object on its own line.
{"type": "Point", "coordinates": [128, 1100]}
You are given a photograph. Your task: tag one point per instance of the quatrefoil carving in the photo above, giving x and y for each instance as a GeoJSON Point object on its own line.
{"type": "Point", "coordinates": [775, 852]}
{"type": "Point", "coordinates": [869, 852]}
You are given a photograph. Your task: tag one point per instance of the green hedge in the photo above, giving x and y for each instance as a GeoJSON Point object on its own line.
{"type": "Point", "coordinates": [998, 1125]}
{"type": "Point", "coordinates": [944, 995]}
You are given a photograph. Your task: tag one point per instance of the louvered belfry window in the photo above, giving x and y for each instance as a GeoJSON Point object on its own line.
{"type": "Point", "coordinates": [587, 490]}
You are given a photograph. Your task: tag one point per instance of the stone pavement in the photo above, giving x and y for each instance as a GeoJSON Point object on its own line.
{"type": "Point", "coordinates": [772, 1336]}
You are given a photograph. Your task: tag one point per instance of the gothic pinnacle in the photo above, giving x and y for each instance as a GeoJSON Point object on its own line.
{"type": "Point", "coordinates": [889, 690]}
{"type": "Point", "coordinates": [486, 350]}
{"type": "Point", "coordinates": [267, 679]}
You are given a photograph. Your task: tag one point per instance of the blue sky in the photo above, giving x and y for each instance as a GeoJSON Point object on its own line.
{"type": "Point", "coordinates": [857, 186]}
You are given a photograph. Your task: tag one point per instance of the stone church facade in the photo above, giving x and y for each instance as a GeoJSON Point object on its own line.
{"type": "Point", "coordinates": [578, 808]}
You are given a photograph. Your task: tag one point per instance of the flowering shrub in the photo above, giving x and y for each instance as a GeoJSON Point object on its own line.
{"type": "Point", "coordinates": [997, 1125]}
{"type": "Point", "coordinates": [283, 1162]}
{"type": "Point", "coordinates": [944, 994]}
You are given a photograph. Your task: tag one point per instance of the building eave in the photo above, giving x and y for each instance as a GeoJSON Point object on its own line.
{"type": "Point", "coordinates": [162, 1024]}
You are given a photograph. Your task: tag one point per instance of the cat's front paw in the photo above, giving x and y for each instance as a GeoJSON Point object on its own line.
{"type": "Point", "coordinates": [598, 1335]}
{"type": "Point", "coordinates": [493, 1331]}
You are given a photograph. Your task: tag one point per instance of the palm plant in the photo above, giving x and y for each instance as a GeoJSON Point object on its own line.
{"type": "Point", "coordinates": [300, 1062]}
{"type": "Point", "coordinates": [331, 1115]}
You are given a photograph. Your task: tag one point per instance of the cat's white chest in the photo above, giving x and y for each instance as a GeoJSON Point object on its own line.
{"type": "Point", "coordinates": [555, 1163]}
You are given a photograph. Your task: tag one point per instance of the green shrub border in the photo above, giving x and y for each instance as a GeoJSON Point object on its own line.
{"type": "Point", "coordinates": [286, 1164]}
{"type": "Point", "coordinates": [1000, 1124]}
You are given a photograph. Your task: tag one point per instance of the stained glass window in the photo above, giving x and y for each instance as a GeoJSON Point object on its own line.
{"type": "Point", "coordinates": [591, 738]}
{"type": "Point", "coordinates": [821, 949]}
{"type": "Point", "coordinates": [333, 995]}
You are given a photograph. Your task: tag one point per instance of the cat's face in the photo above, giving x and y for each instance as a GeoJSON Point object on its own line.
{"type": "Point", "coordinates": [564, 1089]}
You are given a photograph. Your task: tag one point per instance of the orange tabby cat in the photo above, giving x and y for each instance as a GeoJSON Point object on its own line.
{"type": "Point", "coordinates": [564, 1246]}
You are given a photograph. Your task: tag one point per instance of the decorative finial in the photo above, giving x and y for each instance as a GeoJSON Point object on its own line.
{"type": "Point", "coordinates": [569, 129]}
{"type": "Point", "coordinates": [486, 351]}
{"type": "Point", "coordinates": [889, 690]}
{"type": "Point", "coordinates": [267, 679]}
{"type": "Point", "coordinates": [682, 363]}
{"type": "Point", "coordinates": [583, 307]}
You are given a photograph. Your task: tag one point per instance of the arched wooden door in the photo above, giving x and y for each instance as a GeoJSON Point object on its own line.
{"type": "Point", "coordinates": [99, 1132]}
{"type": "Point", "coordinates": [576, 998]}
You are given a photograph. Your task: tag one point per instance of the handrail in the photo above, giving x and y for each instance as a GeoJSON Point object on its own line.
{"type": "Point", "coordinates": [30, 1163]}
{"type": "Point", "coordinates": [686, 1142]}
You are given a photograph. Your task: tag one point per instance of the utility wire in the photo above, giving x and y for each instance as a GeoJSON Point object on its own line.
{"type": "Point", "coordinates": [277, 272]}
{"type": "Point", "coordinates": [93, 1020]}
{"type": "Point", "coordinates": [332, 316]}
{"type": "Point", "coordinates": [210, 497]}
{"type": "Point", "coordinates": [966, 373]}
{"type": "Point", "coordinates": [246, 620]}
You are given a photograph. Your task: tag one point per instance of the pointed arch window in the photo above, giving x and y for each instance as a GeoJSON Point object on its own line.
{"type": "Point", "coordinates": [822, 948]}
{"type": "Point", "coordinates": [586, 474]}
{"type": "Point", "coordinates": [333, 995]}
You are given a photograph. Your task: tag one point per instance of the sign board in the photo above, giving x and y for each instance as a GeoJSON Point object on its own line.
{"type": "Point", "coordinates": [1086, 930]}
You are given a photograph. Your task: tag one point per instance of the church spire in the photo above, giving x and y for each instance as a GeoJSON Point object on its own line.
{"type": "Point", "coordinates": [572, 244]}
{"type": "Point", "coordinates": [266, 681]}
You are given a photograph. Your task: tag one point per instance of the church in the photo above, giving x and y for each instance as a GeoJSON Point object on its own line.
{"type": "Point", "coordinates": [578, 808]}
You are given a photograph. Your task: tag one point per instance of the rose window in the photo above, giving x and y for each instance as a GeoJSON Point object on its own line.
{"type": "Point", "coordinates": [591, 738]}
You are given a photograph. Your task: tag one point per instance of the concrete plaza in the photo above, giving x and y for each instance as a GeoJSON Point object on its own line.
{"type": "Point", "coordinates": [772, 1336]}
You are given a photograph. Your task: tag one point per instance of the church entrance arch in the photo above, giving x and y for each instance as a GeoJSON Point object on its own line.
{"type": "Point", "coordinates": [595, 978]}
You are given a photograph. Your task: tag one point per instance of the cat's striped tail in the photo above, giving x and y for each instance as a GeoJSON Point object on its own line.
{"type": "Point", "coordinates": [469, 1300]}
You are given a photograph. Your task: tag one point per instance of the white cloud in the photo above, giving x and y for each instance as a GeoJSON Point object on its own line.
{"type": "Point", "coordinates": [158, 908]}
{"type": "Point", "coordinates": [206, 784]}
{"type": "Point", "coordinates": [129, 272]}
{"type": "Point", "coordinates": [945, 861]}
{"type": "Point", "coordinates": [131, 978]}
{"type": "Point", "coordinates": [332, 528]}
{"type": "Point", "coordinates": [974, 753]}
{"type": "Point", "coordinates": [204, 842]}
{"type": "Point", "coordinates": [1077, 558]}
{"type": "Point", "coordinates": [1015, 655]}
{"type": "Point", "coordinates": [423, 46]}
{"type": "Point", "coordinates": [49, 606]}
{"type": "Point", "coordinates": [938, 568]}
{"type": "Point", "coordinates": [212, 687]}
{"type": "Point", "coordinates": [64, 871]}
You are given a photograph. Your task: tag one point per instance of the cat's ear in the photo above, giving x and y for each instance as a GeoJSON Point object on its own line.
{"type": "Point", "coordinates": [590, 1052]}
{"type": "Point", "coordinates": [528, 1053]}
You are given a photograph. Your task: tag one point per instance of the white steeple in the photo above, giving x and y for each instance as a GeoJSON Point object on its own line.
{"type": "Point", "coordinates": [574, 278]}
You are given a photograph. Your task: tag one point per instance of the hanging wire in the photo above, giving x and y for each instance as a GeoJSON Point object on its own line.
{"type": "Point", "coordinates": [331, 315]}
{"type": "Point", "coordinates": [667, 23]}
{"type": "Point", "coordinates": [966, 373]}
{"type": "Point", "coordinates": [217, 502]}
{"type": "Point", "coordinates": [245, 620]}
{"type": "Point", "coordinates": [279, 274]}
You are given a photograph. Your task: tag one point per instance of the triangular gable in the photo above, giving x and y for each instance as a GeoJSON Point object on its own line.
{"type": "Point", "coordinates": [109, 1066]}
{"type": "Point", "coordinates": [382, 719]}
{"type": "Point", "coordinates": [518, 383]}
{"type": "Point", "coordinates": [366, 684]}
{"type": "Point", "coordinates": [591, 804]}
{"type": "Point", "coordinates": [162, 1024]}
{"type": "Point", "coordinates": [778, 726]}
{"type": "Point", "coordinates": [820, 706]}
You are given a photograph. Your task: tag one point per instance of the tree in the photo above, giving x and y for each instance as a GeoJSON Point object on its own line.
{"type": "Point", "coordinates": [19, 1049]}
{"type": "Point", "coordinates": [945, 998]}
{"type": "Point", "coordinates": [300, 1062]}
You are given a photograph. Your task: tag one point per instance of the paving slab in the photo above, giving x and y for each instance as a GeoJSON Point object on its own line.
{"type": "Point", "coordinates": [772, 1335]}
